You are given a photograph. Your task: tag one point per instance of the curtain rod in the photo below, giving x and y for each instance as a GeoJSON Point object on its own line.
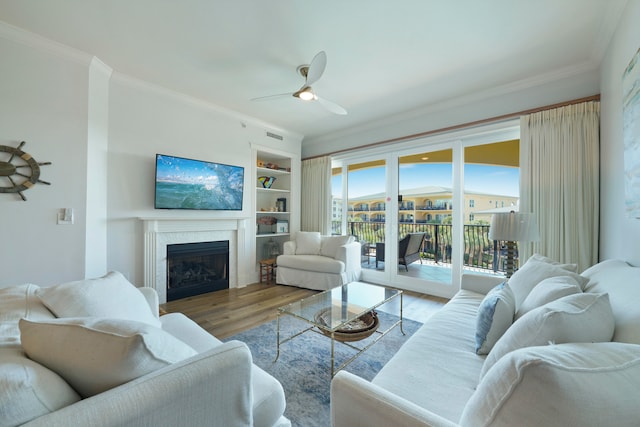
{"type": "Point", "coordinates": [461, 126]}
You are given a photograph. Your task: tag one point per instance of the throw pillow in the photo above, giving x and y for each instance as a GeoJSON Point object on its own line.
{"type": "Point", "coordinates": [583, 317]}
{"type": "Point", "coordinates": [109, 296]}
{"type": "Point", "coordinates": [575, 384]}
{"type": "Point", "coordinates": [495, 315]}
{"type": "Point", "coordinates": [569, 267]}
{"type": "Point", "coordinates": [96, 354]}
{"type": "Point", "coordinates": [29, 390]}
{"type": "Point", "coordinates": [548, 290]}
{"type": "Point", "coordinates": [330, 244]}
{"type": "Point", "coordinates": [536, 270]}
{"type": "Point", "coordinates": [308, 243]}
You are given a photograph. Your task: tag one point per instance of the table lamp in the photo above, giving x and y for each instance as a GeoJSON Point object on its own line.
{"type": "Point", "coordinates": [511, 228]}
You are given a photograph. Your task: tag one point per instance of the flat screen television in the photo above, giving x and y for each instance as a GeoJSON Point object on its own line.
{"type": "Point", "coordinates": [196, 184]}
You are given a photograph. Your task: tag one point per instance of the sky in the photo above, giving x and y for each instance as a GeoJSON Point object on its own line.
{"type": "Point", "coordinates": [498, 180]}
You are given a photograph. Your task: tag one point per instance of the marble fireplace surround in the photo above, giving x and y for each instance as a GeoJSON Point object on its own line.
{"type": "Point", "coordinates": [160, 232]}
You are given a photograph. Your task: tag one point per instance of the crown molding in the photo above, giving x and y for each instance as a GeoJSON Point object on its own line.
{"type": "Point", "coordinates": [450, 104]}
{"type": "Point", "coordinates": [26, 38]}
{"type": "Point", "coordinates": [144, 85]}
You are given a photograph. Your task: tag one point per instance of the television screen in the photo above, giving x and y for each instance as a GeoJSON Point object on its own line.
{"type": "Point", "coordinates": [195, 184]}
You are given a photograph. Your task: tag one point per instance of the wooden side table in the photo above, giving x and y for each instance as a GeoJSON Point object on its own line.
{"type": "Point", "coordinates": [268, 270]}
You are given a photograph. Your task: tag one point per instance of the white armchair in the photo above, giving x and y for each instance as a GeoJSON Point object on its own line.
{"type": "Point", "coordinates": [319, 262]}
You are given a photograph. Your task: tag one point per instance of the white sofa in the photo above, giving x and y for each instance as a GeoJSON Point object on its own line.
{"type": "Point", "coordinates": [570, 358]}
{"type": "Point", "coordinates": [319, 262]}
{"type": "Point", "coordinates": [109, 359]}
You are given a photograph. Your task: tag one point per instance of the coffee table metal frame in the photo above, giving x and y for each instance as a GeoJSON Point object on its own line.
{"type": "Point", "coordinates": [347, 303]}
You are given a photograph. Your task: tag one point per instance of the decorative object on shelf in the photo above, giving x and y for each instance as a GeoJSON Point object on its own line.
{"type": "Point", "coordinates": [511, 228]}
{"type": "Point", "coordinates": [19, 180]}
{"type": "Point", "coordinates": [266, 220]}
{"type": "Point", "coordinates": [265, 224]}
{"type": "Point", "coordinates": [281, 204]}
{"type": "Point", "coordinates": [282, 226]}
{"type": "Point", "coordinates": [267, 181]}
{"type": "Point", "coordinates": [260, 163]}
{"type": "Point", "coordinates": [271, 249]}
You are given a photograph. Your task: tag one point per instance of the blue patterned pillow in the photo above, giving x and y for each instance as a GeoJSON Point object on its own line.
{"type": "Point", "coordinates": [495, 315]}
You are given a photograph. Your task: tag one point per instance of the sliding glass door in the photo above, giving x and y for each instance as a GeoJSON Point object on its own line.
{"type": "Point", "coordinates": [491, 185]}
{"type": "Point", "coordinates": [422, 210]}
{"type": "Point", "coordinates": [425, 213]}
{"type": "Point", "coordinates": [363, 211]}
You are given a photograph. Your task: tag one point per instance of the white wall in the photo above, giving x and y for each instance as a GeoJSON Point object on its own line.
{"type": "Point", "coordinates": [43, 100]}
{"type": "Point", "coordinates": [102, 132]}
{"type": "Point", "coordinates": [97, 155]}
{"type": "Point", "coordinates": [619, 235]}
{"type": "Point", "coordinates": [145, 120]}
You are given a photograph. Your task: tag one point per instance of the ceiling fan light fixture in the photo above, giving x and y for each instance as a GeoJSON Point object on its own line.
{"type": "Point", "coordinates": [306, 94]}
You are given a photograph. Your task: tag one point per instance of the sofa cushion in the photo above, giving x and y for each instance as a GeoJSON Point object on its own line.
{"type": "Point", "coordinates": [573, 384]}
{"type": "Point", "coordinates": [29, 390]}
{"type": "Point", "coordinates": [308, 243]}
{"type": "Point", "coordinates": [535, 270]}
{"type": "Point", "coordinates": [548, 290]}
{"type": "Point", "coordinates": [330, 244]}
{"type": "Point", "coordinates": [96, 354]}
{"type": "Point", "coordinates": [316, 263]}
{"type": "Point", "coordinates": [620, 281]}
{"type": "Point", "coordinates": [109, 296]}
{"type": "Point", "coordinates": [583, 317]}
{"type": "Point", "coordinates": [495, 315]}
{"type": "Point", "coordinates": [439, 353]}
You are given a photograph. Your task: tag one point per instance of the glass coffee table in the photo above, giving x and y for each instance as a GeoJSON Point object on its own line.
{"type": "Point", "coordinates": [332, 313]}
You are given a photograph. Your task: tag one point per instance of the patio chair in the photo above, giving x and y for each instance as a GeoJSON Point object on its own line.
{"type": "Point", "coordinates": [408, 249]}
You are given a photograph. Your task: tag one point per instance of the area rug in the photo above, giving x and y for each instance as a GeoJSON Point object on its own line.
{"type": "Point", "coordinates": [304, 364]}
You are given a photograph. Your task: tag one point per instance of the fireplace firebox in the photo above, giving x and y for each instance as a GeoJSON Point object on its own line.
{"type": "Point", "coordinates": [197, 268]}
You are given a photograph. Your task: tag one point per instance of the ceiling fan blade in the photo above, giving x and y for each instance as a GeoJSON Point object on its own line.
{"type": "Point", "coordinates": [316, 68]}
{"type": "Point", "coordinates": [270, 97]}
{"type": "Point", "coordinates": [332, 107]}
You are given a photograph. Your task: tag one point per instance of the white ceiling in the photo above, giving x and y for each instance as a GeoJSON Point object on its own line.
{"type": "Point", "coordinates": [385, 57]}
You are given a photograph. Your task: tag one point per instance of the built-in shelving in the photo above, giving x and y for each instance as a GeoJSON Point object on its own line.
{"type": "Point", "coordinates": [273, 204]}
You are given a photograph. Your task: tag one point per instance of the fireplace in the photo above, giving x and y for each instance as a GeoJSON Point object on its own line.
{"type": "Point", "coordinates": [197, 268]}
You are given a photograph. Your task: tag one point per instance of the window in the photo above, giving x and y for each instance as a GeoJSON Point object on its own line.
{"type": "Point", "coordinates": [444, 188]}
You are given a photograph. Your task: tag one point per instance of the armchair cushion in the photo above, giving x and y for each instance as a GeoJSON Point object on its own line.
{"type": "Point", "coordinates": [336, 261]}
{"type": "Point", "coordinates": [317, 263]}
{"type": "Point", "coordinates": [330, 244]}
{"type": "Point", "coordinates": [308, 243]}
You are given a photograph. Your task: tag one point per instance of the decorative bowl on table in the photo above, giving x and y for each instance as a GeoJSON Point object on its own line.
{"type": "Point", "coordinates": [356, 330]}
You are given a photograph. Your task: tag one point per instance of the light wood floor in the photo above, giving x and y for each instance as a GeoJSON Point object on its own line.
{"type": "Point", "coordinates": [228, 312]}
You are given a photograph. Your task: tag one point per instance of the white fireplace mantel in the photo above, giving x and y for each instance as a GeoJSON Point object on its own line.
{"type": "Point", "coordinates": [160, 232]}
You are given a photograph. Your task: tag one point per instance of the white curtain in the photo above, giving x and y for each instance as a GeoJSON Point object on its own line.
{"type": "Point", "coordinates": [315, 212]}
{"type": "Point", "coordinates": [559, 182]}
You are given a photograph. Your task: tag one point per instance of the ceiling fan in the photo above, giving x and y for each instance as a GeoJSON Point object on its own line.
{"type": "Point", "coordinates": [311, 73]}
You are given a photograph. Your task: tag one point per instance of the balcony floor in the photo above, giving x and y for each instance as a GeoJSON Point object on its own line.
{"type": "Point", "coordinates": [427, 270]}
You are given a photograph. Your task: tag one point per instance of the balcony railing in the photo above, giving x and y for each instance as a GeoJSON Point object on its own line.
{"type": "Point", "coordinates": [479, 251]}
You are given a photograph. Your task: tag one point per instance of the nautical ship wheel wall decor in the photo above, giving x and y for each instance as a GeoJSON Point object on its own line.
{"type": "Point", "coordinates": [19, 170]}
